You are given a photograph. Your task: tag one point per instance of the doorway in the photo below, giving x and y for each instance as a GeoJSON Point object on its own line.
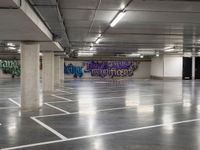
{"type": "Point", "coordinates": [187, 68]}
{"type": "Point", "coordinates": [197, 68]}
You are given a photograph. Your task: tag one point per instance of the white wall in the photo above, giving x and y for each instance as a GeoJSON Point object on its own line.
{"type": "Point", "coordinates": [142, 72]}
{"type": "Point", "coordinates": [173, 66]}
{"type": "Point", "coordinates": [157, 67]}
{"type": "Point", "coordinates": [167, 67]}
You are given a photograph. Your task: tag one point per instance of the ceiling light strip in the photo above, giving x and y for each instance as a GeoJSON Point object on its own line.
{"type": "Point", "coordinates": [119, 16]}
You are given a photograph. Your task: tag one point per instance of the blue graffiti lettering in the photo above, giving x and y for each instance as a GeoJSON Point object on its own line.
{"type": "Point", "coordinates": [75, 70]}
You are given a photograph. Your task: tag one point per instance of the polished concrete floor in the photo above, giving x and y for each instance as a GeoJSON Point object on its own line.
{"type": "Point", "coordinates": [104, 115]}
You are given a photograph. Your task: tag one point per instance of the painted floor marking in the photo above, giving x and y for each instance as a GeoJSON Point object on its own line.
{"type": "Point", "coordinates": [104, 98]}
{"type": "Point", "coordinates": [104, 110]}
{"type": "Point", "coordinates": [1, 98]}
{"type": "Point", "coordinates": [33, 145]}
{"type": "Point", "coordinates": [13, 101]}
{"type": "Point", "coordinates": [57, 102]}
{"type": "Point", "coordinates": [62, 137]}
{"type": "Point", "coordinates": [2, 108]}
{"type": "Point", "coordinates": [112, 91]}
{"type": "Point", "coordinates": [66, 99]}
{"type": "Point", "coordinates": [63, 91]}
{"type": "Point", "coordinates": [57, 108]}
{"type": "Point", "coordinates": [133, 129]}
{"type": "Point", "coordinates": [52, 115]}
{"type": "Point", "coordinates": [122, 108]}
{"type": "Point", "coordinates": [111, 97]}
{"type": "Point", "coordinates": [100, 134]}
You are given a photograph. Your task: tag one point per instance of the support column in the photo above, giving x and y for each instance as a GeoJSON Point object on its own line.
{"type": "Point", "coordinates": [48, 72]}
{"type": "Point", "coordinates": [193, 67]}
{"type": "Point", "coordinates": [57, 70]}
{"type": "Point", "coordinates": [30, 76]}
{"type": "Point", "coordinates": [62, 76]}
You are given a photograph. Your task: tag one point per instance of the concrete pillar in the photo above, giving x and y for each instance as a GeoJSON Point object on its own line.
{"type": "Point", "coordinates": [48, 72]}
{"type": "Point", "coordinates": [193, 67]}
{"type": "Point", "coordinates": [57, 70]}
{"type": "Point", "coordinates": [62, 76]}
{"type": "Point", "coordinates": [30, 76]}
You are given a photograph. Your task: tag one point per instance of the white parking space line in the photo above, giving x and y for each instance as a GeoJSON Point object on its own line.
{"type": "Point", "coordinates": [104, 110]}
{"type": "Point", "coordinates": [2, 108]}
{"type": "Point", "coordinates": [63, 91]}
{"type": "Point", "coordinates": [33, 145]}
{"type": "Point", "coordinates": [57, 108]}
{"type": "Point", "coordinates": [122, 108]}
{"type": "Point", "coordinates": [101, 82]}
{"type": "Point", "coordinates": [107, 91]}
{"type": "Point", "coordinates": [2, 99]}
{"type": "Point", "coordinates": [134, 129]}
{"type": "Point", "coordinates": [50, 129]}
{"type": "Point", "coordinates": [64, 139]}
{"type": "Point", "coordinates": [52, 115]}
{"type": "Point", "coordinates": [103, 98]}
{"type": "Point", "coordinates": [13, 101]}
{"type": "Point", "coordinates": [58, 102]}
{"type": "Point", "coordinates": [66, 99]}
{"type": "Point", "coordinates": [117, 97]}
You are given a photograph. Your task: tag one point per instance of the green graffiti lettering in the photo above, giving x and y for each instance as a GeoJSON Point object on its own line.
{"type": "Point", "coordinates": [10, 67]}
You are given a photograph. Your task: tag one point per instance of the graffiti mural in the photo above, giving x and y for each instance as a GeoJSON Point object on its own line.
{"type": "Point", "coordinates": [111, 68]}
{"type": "Point", "coordinates": [10, 67]}
{"type": "Point", "coordinates": [75, 70]}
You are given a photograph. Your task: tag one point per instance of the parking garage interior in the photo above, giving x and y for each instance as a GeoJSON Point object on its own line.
{"type": "Point", "coordinates": [99, 74]}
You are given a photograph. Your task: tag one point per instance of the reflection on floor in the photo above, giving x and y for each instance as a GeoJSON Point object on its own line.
{"type": "Point", "coordinates": [104, 115]}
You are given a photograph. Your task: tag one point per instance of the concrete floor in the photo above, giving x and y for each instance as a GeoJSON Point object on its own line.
{"type": "Point", "coordinates": [104, 115]}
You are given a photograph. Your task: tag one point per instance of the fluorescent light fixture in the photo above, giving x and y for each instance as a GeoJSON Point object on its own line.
{"type": "Point", "coordinates": [19, 51]}
{"type": "Point", "coordinates": [146, 52]}
{"type": "Point", "coordinates": [91, 48]}
{"type": "Point", "coordinates": [41, 54]}
{"type": "Point", "coordinates": [146, 49]}
{"type": "Point", "coordinates": [187, 54]}
{"type": "Point", "coordinates": [99, 35]}
{"type": "Point", "coordinates": [168, 47]}
{"type": "Point", "coordinates": [141, 56]}
{"type": "Point", "coordinates": [12, 48]}
{"type": "Point", "coordinates": [117, 18]}
{"type": "Point", "coordinates": [87, 51]}
{"type": "Point", "coordinates": [91, 44]}
{"type": "Point", "coordinates": [98, 40]}
{"type": "Point", "coordinates": [157, 55]}
{"type": "Point", "coordinates": [169, 50]}
{"type": "Point", "coordinates": [122, 6]}
{"type": "Point", "coordinates": [10, 44]}
{"type": "Point", "coordinates": [85, 54]}
{"type": "Point", "coordinates": [134, 55]}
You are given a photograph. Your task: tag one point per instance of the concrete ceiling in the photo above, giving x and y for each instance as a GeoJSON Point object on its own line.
{"type": "Point", "coordinates": [20, 23]}
{"type": "Point", "coordinates": [148, 24]}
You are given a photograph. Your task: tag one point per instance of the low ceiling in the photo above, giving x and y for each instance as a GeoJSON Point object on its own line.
{"type": "Point", "coordinates": [147, 25]}
{"type": "Point", "coordinates": [20, 23]}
